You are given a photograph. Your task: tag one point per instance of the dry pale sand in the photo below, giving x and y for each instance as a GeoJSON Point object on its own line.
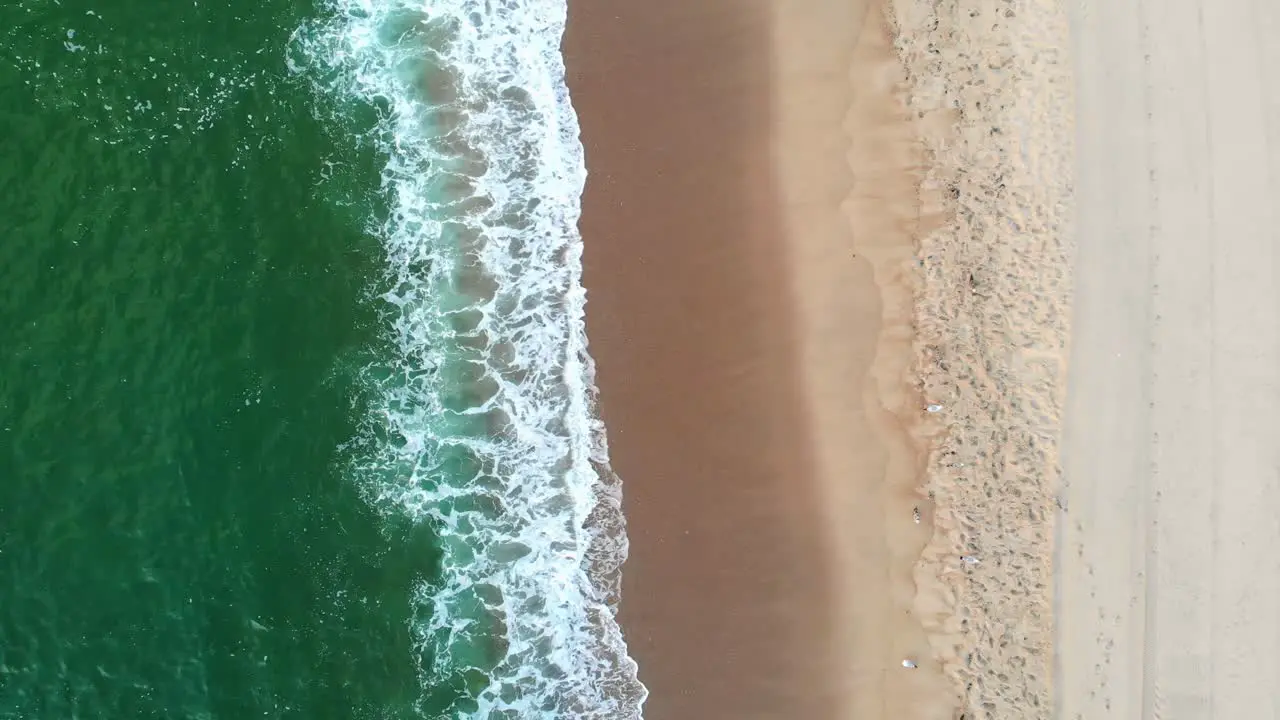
{"type": "Point", "coordinates": [1170, 577]}
{"type": "Point", "coordinates": [806, 223]}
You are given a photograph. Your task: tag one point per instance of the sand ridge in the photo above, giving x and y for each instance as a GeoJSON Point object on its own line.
{"type": "Point", "coordinates": [991, 322]}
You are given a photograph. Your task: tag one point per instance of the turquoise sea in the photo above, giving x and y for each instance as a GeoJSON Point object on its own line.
{"type": "Point", "coordinates": [296, 414]}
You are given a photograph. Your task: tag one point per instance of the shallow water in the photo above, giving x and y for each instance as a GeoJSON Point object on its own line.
{"type": "Point", "coordinates": [296, 418]}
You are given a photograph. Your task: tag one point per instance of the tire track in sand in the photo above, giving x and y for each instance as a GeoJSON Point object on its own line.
{"type": "Point", "coordinates": [1169, 578]}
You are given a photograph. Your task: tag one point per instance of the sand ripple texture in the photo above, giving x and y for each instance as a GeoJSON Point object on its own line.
{"type": "Point", "coordinates": [992, 308]}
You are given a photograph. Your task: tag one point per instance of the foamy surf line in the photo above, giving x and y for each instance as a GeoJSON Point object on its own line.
{"type": "Point", "coordinates": [481, 417]}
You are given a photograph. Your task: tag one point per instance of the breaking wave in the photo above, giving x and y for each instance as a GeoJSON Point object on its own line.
{"type": "Point", "coordinates": [479, 417]}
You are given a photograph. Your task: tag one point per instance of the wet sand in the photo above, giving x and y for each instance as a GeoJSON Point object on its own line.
{"type": "Point", "coordinates": [754, 393]}
{"type": "Point", "coordinates": [727, 595]}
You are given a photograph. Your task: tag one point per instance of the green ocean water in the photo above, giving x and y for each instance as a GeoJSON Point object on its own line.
{"type": "Point", "coordinates": [296, 414]}
{"type": "Point", "coordinates": [182, 269]}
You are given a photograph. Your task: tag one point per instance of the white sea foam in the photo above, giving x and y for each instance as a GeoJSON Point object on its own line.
{"type": "Point", "coordinates": [483, 420]}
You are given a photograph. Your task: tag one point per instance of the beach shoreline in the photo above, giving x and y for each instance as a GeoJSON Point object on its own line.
{"type": "Point", "coordinates": [782, 222]}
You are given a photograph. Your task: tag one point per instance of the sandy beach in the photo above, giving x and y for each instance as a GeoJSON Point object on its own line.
{"type": "Point", "coordinates": [1169, 576]}
{"type": "Point", "coordinates": [940, 332]}
{"type": "Point", "coordinates": [728, 596]}
{"type": "Point", "coordinates": [827, 298]}
{"type": "Point", "coordinates": [735, 319]}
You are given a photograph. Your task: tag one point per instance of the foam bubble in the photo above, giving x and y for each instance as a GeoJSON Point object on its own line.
{"type": "Point", "coordinates": [482, 418]}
